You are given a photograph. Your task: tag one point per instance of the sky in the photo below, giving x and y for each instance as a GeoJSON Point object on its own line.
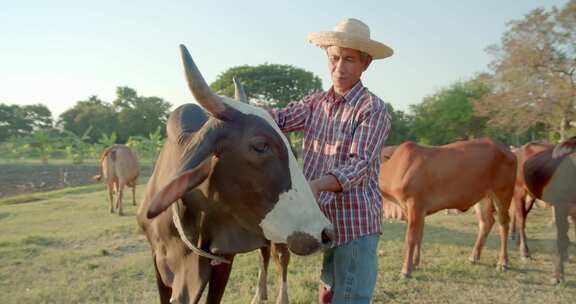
{"type": "Point", "coordinates": [59, 52]}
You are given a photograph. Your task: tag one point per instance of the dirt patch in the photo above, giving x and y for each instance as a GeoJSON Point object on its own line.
{"type": "Point", "coordinates": [20, 179]}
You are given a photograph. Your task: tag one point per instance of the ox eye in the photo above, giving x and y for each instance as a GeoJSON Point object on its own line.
{"type": "Point", "coordinates": [261, 147]}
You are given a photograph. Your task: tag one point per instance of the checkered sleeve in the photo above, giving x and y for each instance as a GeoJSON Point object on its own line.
{"type": "Point", "coordinates": [369, 137]}
{"type": "Point", "coordinates": [293, 117]}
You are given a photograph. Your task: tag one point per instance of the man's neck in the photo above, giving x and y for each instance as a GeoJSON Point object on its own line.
{"type": "Point", "coordinates": [340, 91]}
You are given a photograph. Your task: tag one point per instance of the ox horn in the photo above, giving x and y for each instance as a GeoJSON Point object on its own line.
{"type": "Point", "coordinates": [201, 91]}
{"type": "Point", "coordinates": [239, 93]}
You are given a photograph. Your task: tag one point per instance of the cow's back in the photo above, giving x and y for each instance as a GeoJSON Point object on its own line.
{"type": "Point", "coordinates": [551, 179]}
{"type": "Point", "coordinates": [526, 152]}
{"type": "Point", "coordinates": [127, 166]}
{"type": "Point", "coordinates": [438, 175]}
{"type": "Point", "coordinates": [120, 163]}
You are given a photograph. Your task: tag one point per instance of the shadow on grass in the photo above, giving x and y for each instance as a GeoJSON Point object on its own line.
{"type": "Point", "coordinates": [41, 196]}
{"type": "Point", "coordinates": [434, 234]}
{"type": "Point", "coordinates": [4, 215]}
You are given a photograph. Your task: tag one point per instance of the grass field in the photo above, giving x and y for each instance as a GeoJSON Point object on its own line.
{"type": "Point", "coordinates": [64, 247]}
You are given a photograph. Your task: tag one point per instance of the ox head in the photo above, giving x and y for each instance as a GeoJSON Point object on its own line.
{"type": "Point", "coordinates": [240, 160]}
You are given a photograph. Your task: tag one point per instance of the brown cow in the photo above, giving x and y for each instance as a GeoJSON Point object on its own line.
{"type": "Point", "coordinates": [550, 176]}
{"type": "Point", "coordinates": [223, 184]}
{"type": "Point", "coordinates": [390, 209]}
{"type": "Point", "coordinates": [519, 207]}
{"type": "Point", "coordinates": [279, 251]}
{"type": "Point", "coordinates": [425, 180]}
{"type": "Point", "coordinates": [119, 167]}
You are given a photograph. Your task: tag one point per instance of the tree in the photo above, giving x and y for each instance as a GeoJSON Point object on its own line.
{"type": "Point", "coordinates": [23, 120]}
{"type": "Point", "coordinates": [139, 115]}
{"type": "Point", "coordinates": [401, 129]}
{"type": "Point", "coordinates": [92, 113]}
{"type": "Point", "coordinates": [77, 146]}
{"type": "Point", "coordinates": [274, 84]}
{"type": "Point", "coordinates": [147, 146]}
{"type": "Point", "coordinates": [449, 115]}
{"type": "Point", "coordinates": [45, 142]}
{"type": "Point", "coordinates": [534, 72]}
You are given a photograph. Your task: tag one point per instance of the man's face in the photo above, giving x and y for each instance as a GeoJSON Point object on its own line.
{"type": "Point", "coordinates": [346, 67]}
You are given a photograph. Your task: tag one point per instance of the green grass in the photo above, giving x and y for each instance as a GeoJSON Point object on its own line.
{"type": "Point", "coordinates": [57, 161]}
{"type": "Point", "coordinates": [67, 248]}
{"type": "Point", "coordinates": [41, 196]}
{"type": "Point", "coordinates": [38, 161]}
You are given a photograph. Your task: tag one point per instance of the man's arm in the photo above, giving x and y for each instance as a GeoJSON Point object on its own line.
{"type": "Point", "coordinates": [368, 139]}
{"type": "Point", "coordinates": [325, 183]}
{"type": "Point", "coordinates": [293, 117]}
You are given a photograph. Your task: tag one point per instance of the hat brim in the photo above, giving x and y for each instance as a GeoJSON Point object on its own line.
{"type": "Point", "coordinates": [373, 48]}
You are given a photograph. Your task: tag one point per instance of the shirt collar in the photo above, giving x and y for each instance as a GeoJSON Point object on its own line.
{"type": "Point", "coordinates": [353, 92]}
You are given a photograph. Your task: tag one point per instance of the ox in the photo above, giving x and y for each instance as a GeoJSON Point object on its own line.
{"type": "Point", "coordinates": [279, 251]}
{"type": "Point", "coordinates": [223, 184]}
{"type": "Point", "coordinates": [119, 167]}
{"type": "Point", "coordinates": [550, 177]}
{"type": "Point", "coordinates": [425, 180]}
{"type": "Point", "coordinates": [520, 208]}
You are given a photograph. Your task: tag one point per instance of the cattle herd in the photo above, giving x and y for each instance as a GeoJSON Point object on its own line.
{"type": "Point", "coordinates": [226, 183]}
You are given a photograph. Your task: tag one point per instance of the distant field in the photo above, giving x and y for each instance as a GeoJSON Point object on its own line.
{"type": "Point", "coordinates": [28, 176]}
{"type": "Point", "coordinates": [64, 247]}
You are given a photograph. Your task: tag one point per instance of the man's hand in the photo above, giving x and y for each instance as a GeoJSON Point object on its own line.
{"type": "Point", "coordinates": [325, 183]}
{"type": "Point", "coordinates": [315, 186]}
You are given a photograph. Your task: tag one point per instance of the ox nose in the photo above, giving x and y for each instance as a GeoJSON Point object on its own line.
{"type": "Point", "coordinates": [302, 243]}
{"type": "Point", "coordinates": [328, 237]}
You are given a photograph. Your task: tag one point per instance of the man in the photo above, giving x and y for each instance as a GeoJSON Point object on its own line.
{"type": "Point", "coordinates": [344, 130]}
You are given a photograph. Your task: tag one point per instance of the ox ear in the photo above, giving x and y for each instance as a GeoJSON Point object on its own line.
{"type": "Point", "coordinates": [178, 186]}
{"type": "Point", "coordinates": [565, 148]}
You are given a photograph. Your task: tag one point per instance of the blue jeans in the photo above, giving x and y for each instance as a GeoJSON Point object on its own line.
{"type": "Point", "coordinates": [350, 270]}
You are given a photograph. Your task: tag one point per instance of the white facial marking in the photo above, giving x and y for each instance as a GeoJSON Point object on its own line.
{"type": "Point", "coordinates": [296, 209]}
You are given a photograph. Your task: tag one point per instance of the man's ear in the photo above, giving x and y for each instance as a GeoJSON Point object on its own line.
{"type": "Point", "coordinates": [368, 62]}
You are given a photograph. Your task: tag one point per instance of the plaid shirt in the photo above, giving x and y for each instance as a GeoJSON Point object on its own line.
{"type": "Point", "coordinates": [343, 137]}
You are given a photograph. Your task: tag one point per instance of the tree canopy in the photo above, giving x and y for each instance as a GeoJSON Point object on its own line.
{"type": "Point", "coordinates": [534, 72]}
{"type": "Point", "coordinates": [93, 112]}
{"type": "Point", "coordinates": [139, 115]}
{"type": "Point", "coordinates": [449, 114]}
{"type": "Point", "coordinates": [274, 84]}
{"type": "Point", "coordinates": [128, 115]}
{"type": "Point", "coordinates": [23, 120]}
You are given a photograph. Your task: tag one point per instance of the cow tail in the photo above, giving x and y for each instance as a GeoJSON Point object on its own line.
{"type": "Point", "coordinates": [98, 177]}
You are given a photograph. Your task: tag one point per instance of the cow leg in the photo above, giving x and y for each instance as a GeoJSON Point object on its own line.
{"type": "Point", "coordinates": [513, 230]}
{"type": "Point", "coordinates": [218, 280]}
{"type": "Point", "coordinates": [503, 256]}
{"type": "Point", "coordinates": [119, 197]}
{"type": "Point", "coordinates": [261, 295]}
{"type": "Point", "coordinates": [484, 213]}
{"type": "Point", "coordinates": [574, 224]}
{"type": "Point", "coordinates": [417, 249]}
{"type": "Point", "coordinates": [500, 201]}
{"type": "Point", "coordinates": [521, 226]}
{"type": "Point", "coordinates": [111, 196]}
{"type": "Point", "coordinates": [133, 193]}
{"type": "Point", "coordinates": [413, 234]}
{"type": "Point", "coordinates": [281, 258]}
{"type": "Point", "coordinates": [164, 291]}
{"type": "Point", "coordinates": [562, 241]}
{"type": "Point", "coordinates": [516, 211]}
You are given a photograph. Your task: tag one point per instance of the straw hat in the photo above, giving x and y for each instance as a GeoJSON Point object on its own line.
{"type": "Point", "coordinates": [354, 34]}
